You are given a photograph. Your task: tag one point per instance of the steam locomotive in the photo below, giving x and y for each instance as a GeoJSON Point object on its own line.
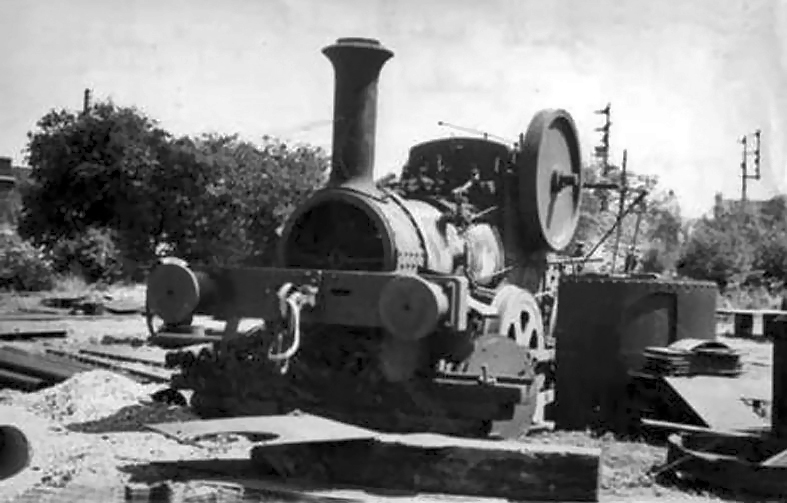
{"type": "Point", "coordinates": [428, 308]}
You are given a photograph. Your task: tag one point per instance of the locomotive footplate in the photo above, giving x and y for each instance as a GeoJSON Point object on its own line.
{"type": "Point", "coordinates": [399, 302]}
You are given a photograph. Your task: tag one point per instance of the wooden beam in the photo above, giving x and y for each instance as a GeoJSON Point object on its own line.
{"type": "Point", "coordinates": [24, 382]}
{"type": "Point", "coordinates": [690, 428]}
{"type": "Point", "coordinates": [440, 464]}
{"type": "Point", "coordinates": [44, 367]}
{"type": "Point", "coordinates": [32, 334]}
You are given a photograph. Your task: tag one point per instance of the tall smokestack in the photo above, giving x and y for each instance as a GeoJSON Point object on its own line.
{"type": "Point", "coordinates": [357, 63]}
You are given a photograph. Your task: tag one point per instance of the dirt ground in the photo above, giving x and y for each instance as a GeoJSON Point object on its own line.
{"type": "Point", "coordinates": [87, 437]}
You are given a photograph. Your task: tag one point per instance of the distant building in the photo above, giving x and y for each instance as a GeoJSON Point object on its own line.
{"type": "Point", "coordinates": [722, 205]}
{"type": "Point", "coordinates": [10, 176]}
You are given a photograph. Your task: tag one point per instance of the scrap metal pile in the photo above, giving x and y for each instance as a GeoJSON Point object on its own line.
{"type": "Point", "coordinates": [693, 357]}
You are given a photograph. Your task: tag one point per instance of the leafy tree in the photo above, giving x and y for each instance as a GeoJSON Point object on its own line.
{"type": "Point", "coordinates": [710, 255]}
{"type": "Point", "coordinates": [212, 199]}
{"type": "Point", "coordinates": [665, 233]}
{"type": "Point", "coordinates": [723, 248]}
{"type": "Point", "coordinates": [246, 192]}
{"type": "Point", "coordinates": [94, 170]}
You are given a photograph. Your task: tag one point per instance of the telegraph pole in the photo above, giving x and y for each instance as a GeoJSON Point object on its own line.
{"type": "Point", "coordinates": [602, 150]}
{"type": "Point", "coordinates": [621, 206]}
{"type": "Point", "coordinates": [745, 176]}
{"type": "Point", "coordinates": [86, 102]}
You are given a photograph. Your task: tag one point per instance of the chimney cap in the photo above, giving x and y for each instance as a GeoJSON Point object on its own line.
{"type": "Point", "coordinates": [359, 41]}
{"type": "Point", "coordinates": [369, 44]}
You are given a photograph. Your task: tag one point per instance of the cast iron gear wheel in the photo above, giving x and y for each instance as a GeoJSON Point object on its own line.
{"type": "Point", "coordinates": [520, 317]}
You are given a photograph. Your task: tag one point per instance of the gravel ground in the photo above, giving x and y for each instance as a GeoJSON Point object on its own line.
{"type": "Point", "coordinates": [86, 432]}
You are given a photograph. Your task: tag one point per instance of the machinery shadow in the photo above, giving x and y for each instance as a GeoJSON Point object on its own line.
{"type": "Point", "coordinates": [705, 489]}
{"type": "Point", "coordinates": [258, 484]}
{"type": "Point", "coordinates": [133, 418]}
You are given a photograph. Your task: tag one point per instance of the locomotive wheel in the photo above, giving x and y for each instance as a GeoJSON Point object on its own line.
{"type": "Point", "coordinates": [549, 177]}
{"type": "Point", "coordinates": [519, 317]}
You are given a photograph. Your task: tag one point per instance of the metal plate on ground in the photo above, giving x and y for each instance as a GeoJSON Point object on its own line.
{"type": "Point", "coordinates": [717, 400]}
{"type": "Point", "coordinates": [283, 429]}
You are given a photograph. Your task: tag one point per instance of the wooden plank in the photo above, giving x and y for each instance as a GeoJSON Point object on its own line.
{"type": "Point", "coordinates": [32, 317]}
{"type": "Point", "coordinates": [752, 312]}
{"type": "Point", "coordinates": [20, 381]}
{"type": "Point", "coordinates": [148, 356]}
{"type": "Point", "coordinates": [441, 464]}
{"type": "Point", "coordinates": [238, 472]}
{"type": "Point", "coordinates": [41, 366]}
{"type": "Point", "coordinates": [724, 463]}
{"type": "Point", "coordinates": [320, 450]}
{"type": "Point", "coordinates": [690, 428]}
{"type": "Point", "coordinates": [136, 370]}
{"type": "Point", "coordinates": [32, 334]}
{"type": "Point", "coordinates": [176, 341]}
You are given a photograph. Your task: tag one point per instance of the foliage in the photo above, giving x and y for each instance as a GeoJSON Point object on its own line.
{"type": "Point", "coordinates": [651, 226]}
{"type": "Point", "coordinates": [737, 245]}
{"type": "Point", "coordinates": [23, 266]}
{"type": "Point", "coordinates": [93, 255]}
{"type": "Point", "coordinates": [94, 169]}
{"type": "Point", "coordinates": [213, 199]}
{"type": "Point", "coordinates": [245, 193]}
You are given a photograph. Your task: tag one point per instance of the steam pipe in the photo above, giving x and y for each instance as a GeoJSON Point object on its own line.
{"type": "Point", "coordinates": [357, 63]}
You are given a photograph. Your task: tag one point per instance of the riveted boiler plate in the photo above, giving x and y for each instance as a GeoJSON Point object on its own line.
{"type": "Point", "coordinates": [549, 179]}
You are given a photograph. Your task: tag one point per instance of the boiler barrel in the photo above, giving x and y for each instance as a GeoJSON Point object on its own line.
{"type": "Point", "coordinates": [605, 323]}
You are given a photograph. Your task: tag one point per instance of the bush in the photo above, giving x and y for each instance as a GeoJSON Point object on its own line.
{"type": "Point", "coordinates": [771, 255]}
{"type": "Point", "coordinates": [715, 254]}
{"type": "Point", "coordinates": [655, 259]}
{"type": "Point", "coordinates": [23, 267]}
{"type": "Point", "coordinates": [93, 256]}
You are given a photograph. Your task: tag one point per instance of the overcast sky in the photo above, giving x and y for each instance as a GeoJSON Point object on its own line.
{"type": "Point", "coordinates": [686, 78]}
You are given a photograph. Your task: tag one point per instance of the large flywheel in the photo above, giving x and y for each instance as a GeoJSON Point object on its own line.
{"type": "Point", "coordinates": [549, 179]}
